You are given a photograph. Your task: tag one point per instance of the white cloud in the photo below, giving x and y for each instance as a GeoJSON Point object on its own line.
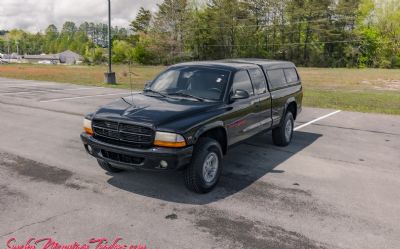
{"type": "Point", "coordinates": [36, 15]}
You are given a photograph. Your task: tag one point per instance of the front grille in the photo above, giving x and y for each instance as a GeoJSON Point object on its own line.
{"type": "Point", "coordinates": [121, 157]}
{"type": "Point", "coordinates": [122, 133]}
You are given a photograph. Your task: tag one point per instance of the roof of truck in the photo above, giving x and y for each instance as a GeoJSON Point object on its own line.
{"type": "Point", "coordinates": [265, 63]}
{"type": "Point", "coordinates": [224, 65]}
{"type": "Point", "coordinates": [240, 63]}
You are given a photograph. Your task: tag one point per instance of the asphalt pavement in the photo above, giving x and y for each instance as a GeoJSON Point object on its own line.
{"type": "Point", "coordinates": [336, 186]}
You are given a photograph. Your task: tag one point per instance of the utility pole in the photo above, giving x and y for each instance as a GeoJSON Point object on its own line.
{"type": "Point", "coordinates": [109, 77]}
{"type": "Point", "coordinates": [9, 55]}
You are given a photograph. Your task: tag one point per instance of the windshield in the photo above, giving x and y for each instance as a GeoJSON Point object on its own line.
{"type": "Point", "coordinates": [192, 82]}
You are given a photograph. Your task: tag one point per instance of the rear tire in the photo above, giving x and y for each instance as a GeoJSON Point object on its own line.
{"type": "Point", "coordinates": [282, 136]}
{"type": "Point", "coordinates": [107, 167]}
{"type": "Point", "coordinates": [204, 171]}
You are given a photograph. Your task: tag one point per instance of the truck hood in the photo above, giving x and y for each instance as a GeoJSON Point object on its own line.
{"type": "Point", "coordinates": [155, 111]}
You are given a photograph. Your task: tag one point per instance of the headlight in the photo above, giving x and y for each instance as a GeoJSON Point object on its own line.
{"type": "Point", "coordinates": [166, 139]}
{"type": "Point", "coordinates": [87, 126]}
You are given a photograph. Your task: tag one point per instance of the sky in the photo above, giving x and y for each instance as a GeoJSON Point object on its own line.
{"type": "Point", "coordinates": [36, 15]}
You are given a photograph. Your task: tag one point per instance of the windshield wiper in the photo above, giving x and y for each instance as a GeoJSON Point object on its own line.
{"type": "Point", "coordinates": [182, 94]}
{"type": "Point", "coordinates": [152, 91]}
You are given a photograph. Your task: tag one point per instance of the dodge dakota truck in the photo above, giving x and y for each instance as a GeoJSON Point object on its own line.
{"type": "Point", "coordinates": [189, 115]}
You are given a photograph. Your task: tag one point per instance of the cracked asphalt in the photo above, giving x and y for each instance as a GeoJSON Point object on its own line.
{"type": "Point", "coordinates": [336, 186]}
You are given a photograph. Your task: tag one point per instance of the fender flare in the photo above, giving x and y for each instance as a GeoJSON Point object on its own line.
{"type": "Point", "coordinates": [288, 102]}
{"type": "Point", "coordinates": [208, 127]}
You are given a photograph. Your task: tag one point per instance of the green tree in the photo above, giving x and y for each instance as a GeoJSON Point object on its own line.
{"type": "Point", "coordinates": [66, 36]}
{"type": "Point", "coordinates": [121, 51]}
{"type": "Point", "coordinates": [142, 21]}
{"type": "Point", "coordinates": [69, 28]}
{"type": "Point", "coordinates": [50, 39]}
{"type": "Point", "coordinates": [169, 27]}
{"type": "Point", "coordinates": [98, 56]}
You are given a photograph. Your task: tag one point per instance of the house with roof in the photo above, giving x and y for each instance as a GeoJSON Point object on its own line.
{"type": "Point", "coordinates": [11, 58]}
{"type": "Point", "coordinates": [53, 58]}
{"type": "Point", "coordinates": [69, 57]}
{"type": "Point", "coordinates": [66, 57]}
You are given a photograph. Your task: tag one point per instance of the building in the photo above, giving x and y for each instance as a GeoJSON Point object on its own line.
{"type": "Point", "coordinates": [69, 57]}
{"type": "Point", "coordinates": [11, 58]}
{"type": "Point", "coordinates": [66, 57]}
{"type": "Point", "coordinates": [52, 58]}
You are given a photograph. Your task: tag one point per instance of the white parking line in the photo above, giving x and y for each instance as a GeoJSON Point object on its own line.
{"type": "Point", "coordinates": [45, 91]}
{"type": "Point", "coordinates": [83, 97]}
{"type": "Point", "coordinates": [316, 120]}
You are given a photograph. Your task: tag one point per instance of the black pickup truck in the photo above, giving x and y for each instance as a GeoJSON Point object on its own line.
{"type": "Point", "coordinates": [190, 114]}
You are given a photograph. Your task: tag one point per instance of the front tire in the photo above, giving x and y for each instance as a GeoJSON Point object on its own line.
{"type": "Point", "coordinates": [204, 171]}
{"type": "Point", "coordinates": [107, 167]}
{"type": "Point", "coordinates": [282, 136]}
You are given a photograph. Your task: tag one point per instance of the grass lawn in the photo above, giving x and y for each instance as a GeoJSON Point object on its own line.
{"type": "Point", "coordinates": [363, 90]}
{"type": "Point", "coordinates": [82, 75]}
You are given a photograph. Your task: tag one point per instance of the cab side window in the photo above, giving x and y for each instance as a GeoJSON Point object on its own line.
{"type": "Point", "coordinates": [291, 76]}
{"type": "Point", "coordinates": [276, 78]}
{"type": "Point", "coordinates": [258, 79]}
{"type": "Point", "coordinates": [241, 81]}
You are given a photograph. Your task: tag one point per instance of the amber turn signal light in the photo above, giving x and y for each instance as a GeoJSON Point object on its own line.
{"type": "Point", "coordinates": [166, 139]}
{"type": "Point", "coordinates": [87, 126]}
{"type": "Point", "coordinates": [170, 144]}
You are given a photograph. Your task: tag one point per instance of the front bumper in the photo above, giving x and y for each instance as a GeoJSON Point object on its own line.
{"type": "Point", "coordinates": [129, 158]}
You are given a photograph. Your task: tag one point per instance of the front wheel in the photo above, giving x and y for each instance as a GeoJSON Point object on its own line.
{"type": "Point", "coordinates": [282, 136]}
{"type": "Point", "coordinates": [203, 173]}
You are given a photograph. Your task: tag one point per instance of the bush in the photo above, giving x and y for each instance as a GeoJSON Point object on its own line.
{"type": "Point", "coordinates": [395, 62]}
{"type": "Point", "coordinates": [121, 51]}
{"type": "Point", "coordinates": [98, 56]}
{"type": "Point", "coordinates": [142, 55]}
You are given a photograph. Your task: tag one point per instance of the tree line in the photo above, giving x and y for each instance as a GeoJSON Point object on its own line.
{"type": "Point", "coordinates": [87, 39]}
{"type": "Point", "coordinates": [325, 33]}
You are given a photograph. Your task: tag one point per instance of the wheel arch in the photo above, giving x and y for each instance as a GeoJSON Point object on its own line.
{"type": "Point", "coordinates": [215, 131]}
{"type": "Point", "coordinates": [291, 105]}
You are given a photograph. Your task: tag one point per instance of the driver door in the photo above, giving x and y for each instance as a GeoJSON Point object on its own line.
{"type": "Point", "coordinates": [243, 115]}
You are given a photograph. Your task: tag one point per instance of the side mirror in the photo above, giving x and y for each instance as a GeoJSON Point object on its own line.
{"type": "Point", "coordinates": [239, 94]}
